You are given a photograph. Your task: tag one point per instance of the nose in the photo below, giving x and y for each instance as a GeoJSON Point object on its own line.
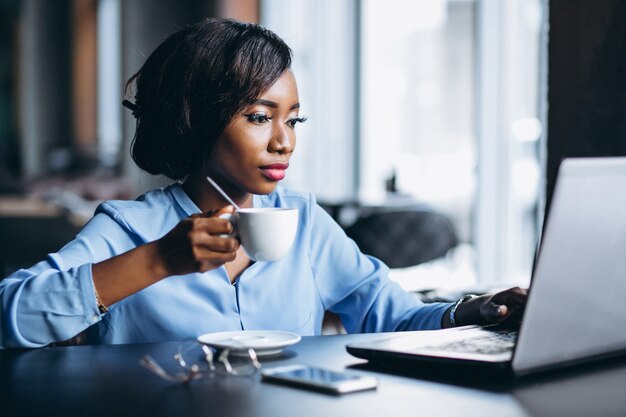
{"type": "Point", "coordinates": [283, 139]}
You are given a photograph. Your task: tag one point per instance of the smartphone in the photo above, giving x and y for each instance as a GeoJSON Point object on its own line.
{"type": "Point", "coordinates": [319, 379]}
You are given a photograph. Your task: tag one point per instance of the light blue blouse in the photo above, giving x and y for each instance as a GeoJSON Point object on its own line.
{"type": "Point", "coordinates": [324, 270]}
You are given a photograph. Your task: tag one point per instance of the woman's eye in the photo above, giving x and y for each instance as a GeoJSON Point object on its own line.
{"type": "Point", "coordinates": [258, 117]}
{"type": "Point", "coordinates": [293, 122]}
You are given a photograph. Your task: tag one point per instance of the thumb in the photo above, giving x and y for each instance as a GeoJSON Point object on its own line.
{"type": "Point", "coordinates": [224, 210]}
{"type": "Point", "coordinates": [496, 312]}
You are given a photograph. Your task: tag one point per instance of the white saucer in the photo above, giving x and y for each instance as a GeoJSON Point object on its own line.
{"type": "Point", "coordinates": [264, 342]}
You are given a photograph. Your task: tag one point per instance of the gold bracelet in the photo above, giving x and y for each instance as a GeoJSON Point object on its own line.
{"type": "Point", "coordinates": [101, 307]}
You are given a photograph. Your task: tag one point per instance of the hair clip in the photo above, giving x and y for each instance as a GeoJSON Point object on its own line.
{"type": "Point", "coordinates": [134, 108]}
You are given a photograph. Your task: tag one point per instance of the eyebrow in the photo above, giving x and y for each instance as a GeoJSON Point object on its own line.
{"type": "Point", "coordinates": [273, 104]}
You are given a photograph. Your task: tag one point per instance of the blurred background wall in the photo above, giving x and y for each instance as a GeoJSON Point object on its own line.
{"type": "Point", "coordinates": [67, 61]}
{"type": "Point", "coordinates": [64, 136]}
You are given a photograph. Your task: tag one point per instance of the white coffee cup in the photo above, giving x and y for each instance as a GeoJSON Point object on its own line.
{"type": "Point", "coordinates": [266, 234]}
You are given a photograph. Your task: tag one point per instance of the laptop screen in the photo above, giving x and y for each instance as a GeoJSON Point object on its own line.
{"type": "Point", "coordinates": [576, 306]}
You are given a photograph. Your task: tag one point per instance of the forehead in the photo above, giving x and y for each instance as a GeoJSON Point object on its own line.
{"type": "Point", "coordinates": [284, 89]}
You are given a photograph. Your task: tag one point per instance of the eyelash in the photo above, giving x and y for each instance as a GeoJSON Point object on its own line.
{"type": "Point", "coordinates": [263, 118]}
{"type": "Point", "coordinates": [293, 122]}
{"type": "Point", "coordinates": [258, 117]}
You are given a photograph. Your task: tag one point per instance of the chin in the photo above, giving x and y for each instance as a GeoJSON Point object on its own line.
{"type": "Point", "coordinates": [264, 189]}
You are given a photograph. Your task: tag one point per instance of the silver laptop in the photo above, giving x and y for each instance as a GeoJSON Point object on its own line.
{"type": "Point", "coordinates": [576, 309]}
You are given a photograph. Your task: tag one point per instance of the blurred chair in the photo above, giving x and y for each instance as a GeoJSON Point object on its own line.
{"type": "Point", "coordinates": [29, 230]}
{"type": "Point", "coordinates": [402, 238]}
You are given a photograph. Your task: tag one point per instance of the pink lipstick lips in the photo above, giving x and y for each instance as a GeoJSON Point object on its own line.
{"type": "Point", "coordinates": [274, 172]}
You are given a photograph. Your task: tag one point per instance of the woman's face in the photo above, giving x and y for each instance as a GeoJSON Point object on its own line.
{"type": "Point", "coordinates": [253, 152]}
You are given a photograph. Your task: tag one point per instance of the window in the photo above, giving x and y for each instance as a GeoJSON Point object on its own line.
{"type": "Point", "coordinates": [437, 100]}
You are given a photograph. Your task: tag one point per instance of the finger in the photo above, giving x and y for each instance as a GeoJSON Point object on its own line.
{"type": "Point", "coordinates": [213, 251]}
{"type": "Point", "coordinates": [223, 210]}
{"type": "Point", "coordinates": [514, 292]}
{"type": "Point", "coordinates": [222, 244]}
{"type": "Point", "coordinates": [517, 311]}
{"type": "Point", "coordinates": [214, 213]}
{"type": "Point", "coordinates": [513, 313]}
{"type": "Point", "coordinates": [494, 312]}
{"type": "Point", "coordinates": [216, 259]}
{"type": "Point", "coordinates": [518, 294]}
{"type": "Point", "coordinates": [512, 297]}
{"type": "Point", "coordinates": [211, 225]}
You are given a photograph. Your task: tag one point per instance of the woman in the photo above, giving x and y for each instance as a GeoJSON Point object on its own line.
{"type": "Point", "coordinates": [219, 99]}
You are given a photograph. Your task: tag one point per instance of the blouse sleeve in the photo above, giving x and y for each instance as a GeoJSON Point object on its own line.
{"type": "Point", "coordinates": [358, 287]}
{"type": "Point", "coordinates": [54, 300]}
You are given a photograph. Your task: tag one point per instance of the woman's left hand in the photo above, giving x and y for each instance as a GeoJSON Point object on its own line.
{"type": "Point", "coordinates": [505, 306]}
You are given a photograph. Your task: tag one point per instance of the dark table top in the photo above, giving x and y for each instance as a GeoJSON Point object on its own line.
{"type": "Point", "coordinates": [108, 381]}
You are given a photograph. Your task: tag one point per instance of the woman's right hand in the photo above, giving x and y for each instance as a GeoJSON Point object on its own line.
{"type": "Point", "coordinates": [198, 244]}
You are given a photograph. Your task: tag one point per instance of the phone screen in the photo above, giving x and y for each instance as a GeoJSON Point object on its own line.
{"type": "Point", "coordinates": [320, 379]}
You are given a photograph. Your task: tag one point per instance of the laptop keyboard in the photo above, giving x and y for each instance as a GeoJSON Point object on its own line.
{"type": "Point", "coordinates": [489, 343]}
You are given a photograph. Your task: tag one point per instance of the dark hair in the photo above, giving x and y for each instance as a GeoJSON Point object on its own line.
{"type": "Point", "coordinates": [192, 86]}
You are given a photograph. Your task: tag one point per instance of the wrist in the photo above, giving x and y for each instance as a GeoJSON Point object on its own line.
{"type": "Point", "coordinates": [156, 261]}
{"type": "Point", "coordinates": [457, 314]}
